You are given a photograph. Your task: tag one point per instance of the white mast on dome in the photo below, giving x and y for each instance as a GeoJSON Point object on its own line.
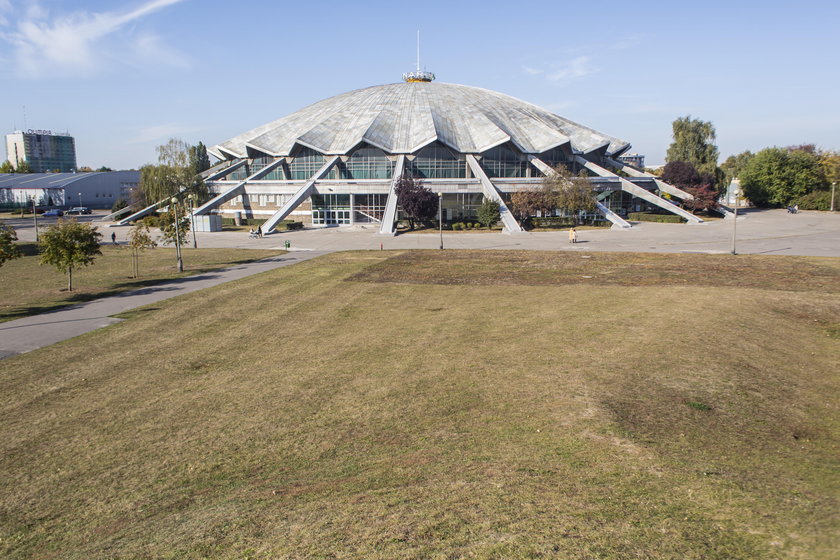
{"type": "Point", "coordinates": [418, 75]}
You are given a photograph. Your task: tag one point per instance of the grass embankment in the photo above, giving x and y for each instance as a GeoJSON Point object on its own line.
{"type": "Point", "coordinates": [441, 405]}
{"type": "Point", "coordinates": [30, 288]}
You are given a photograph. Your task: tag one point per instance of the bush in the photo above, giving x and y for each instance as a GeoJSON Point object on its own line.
{"type": "Point", "coordinates": [152, 220]}
{"type": "Point", "coordinates": [660, 218]}
{"type": "Point", "coordinates": [457, 226]}
{"type": "Point", "coordinates": [291, 225]}
{"type": "Point", "coordinates": [553, 222]}
{"type": "Point", "coordinates": [816, 200]}
{"type": "Point", "coordinates": [119, 204]}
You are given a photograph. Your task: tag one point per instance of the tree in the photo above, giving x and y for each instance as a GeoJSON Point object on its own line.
{"type": "Point", "coordinates": [172, 175]}
{"type": "Point", "coordinates": [694, 143]}
{"type": "Point", "coordinates": [104, 169]}
{"type": "Point", "coordinates": [139, 239]}
{"type": "Point", "coordinates": [681, 174]}
{"type": "Point", "coordinates": [168, 231]}
{"type": "Point", "coordinates": [705, 198]}
{"type": "Point", "coordinates": [23, 167]}
{"type": "Point", "coordinates": [199, 160]}
{"type": "Point", "coordinates": [572, 193]}
{"type": "Point", "coordinates": [84, 169]}
{"type": "Point", "coordinates": [489, 212]}
{"type": "Point", "coordinates": [777, 176]}
{"type": "Point", "coordinates": [68, 245]}
{"type": "Point", "coordinates": [526, 203]}
{"type": "Point", "coordinates": [6, 167]}
{"type": "Point", "coordinates": [733, 166]}
{"type": "Point", "coordinates": [830, 163]}
{"type": "Point", "coordinates": [417, 201]}
{"type": "Point", "coordinates": [8, 249]}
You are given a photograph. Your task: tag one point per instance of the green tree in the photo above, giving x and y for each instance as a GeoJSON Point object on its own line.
{"type": "Point", "coordinates": [6, 167]}
{"type": "Point", "coordinates": [830, 163]}
{"type": "Point", "coordinates": [173, 174]}
{"type": "Point", "coordinates": [777, 176]}
{"type": "Point", "coordinates": [8, 249]}
{"type": "Point", "coordinates": [526, 203]}
{"type": "Point", "coordinates": [489, 212]}
{"type": "Point", "coordinates": [139, 239]}
{"type": "Point", "coordinates": [23, 167]}
{"type": "Point", "coordinates": [570, 192]}
{"type": "Point", "coordinates": [199, 160]}
{"type": "Point", "coordinates": [69, 244]}
{"type": "Point", "coordinates": [166, 222]}
{"type": "Point", "coordinates": [694, 142]}
{"type": "Point", "coordinates": [733, 166]}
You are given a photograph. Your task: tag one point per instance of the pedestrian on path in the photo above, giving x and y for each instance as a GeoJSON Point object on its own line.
{"type": "Point", "coordinates": [572, 235]}
{"type": "Point", "coordinates": [114, 237]}
{"type": "Point", "coordinates": [259, 232]}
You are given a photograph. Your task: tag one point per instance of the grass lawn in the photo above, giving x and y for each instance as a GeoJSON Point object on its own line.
{"type": "Point", "coordinates": [442, 404]}
{"type": "Point", "coordinates": [30, 288]}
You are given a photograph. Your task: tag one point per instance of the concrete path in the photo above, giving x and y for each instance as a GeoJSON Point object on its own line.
{"type": "Point", "coordinates": [29, 333]}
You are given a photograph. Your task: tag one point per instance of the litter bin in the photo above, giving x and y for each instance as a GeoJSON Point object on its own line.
{"type": "Point", "coordinates": [288, 244]}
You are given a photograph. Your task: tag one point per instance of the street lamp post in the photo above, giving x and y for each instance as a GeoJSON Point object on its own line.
{"type": "Point", "coordinates": [192, 220]}
{"type": "Point", "coordinates": [35, 218]}
{"type": "Point", "coordinates": [440, 217]}
{"type": "Point", "coordinates": [174, 202]}
{"type": "Point", "coordinates": [80, 199]}
{"type": "Point", "coordinates": [833, 187]}
{"type": "Point", "coordinates": [735, 225]}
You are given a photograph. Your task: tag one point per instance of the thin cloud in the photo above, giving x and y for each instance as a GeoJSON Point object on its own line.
{"type": "Point", "coordinates": [75, 43]}
{"type": "Point", "coordinates": [576, 68]}
{"type": "Point", "coordinates": [161, 132]}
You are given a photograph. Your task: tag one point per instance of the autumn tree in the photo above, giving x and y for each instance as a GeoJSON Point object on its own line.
{"type": "Point", "coordinates": [69, 244]}
{"type": "Point", "coordinates": [169, 233]}
{"type": "Point", "coordinates": [173, 174]}
{"type": "Point", "coordinates": [418, 202]}
{"type": "Point", "coordinates": [6, 167]}
{"type": "Point", "coordinates": [139, 239]}
{"type": "Point", "coordinates": [8, 249]}
{"type": "Point", "coordinates": [526, 203]}
{"type": "Point", "coordinates": [23, 167]}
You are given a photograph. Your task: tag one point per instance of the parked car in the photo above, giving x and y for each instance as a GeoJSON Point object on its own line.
{"type": "Point", "coordinates": [79, 210]}
{"type": "Point", "coordinates": [54, 212]}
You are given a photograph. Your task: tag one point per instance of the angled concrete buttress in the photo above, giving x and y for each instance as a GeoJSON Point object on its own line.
{"type": "Point", "coordinates": [490, 191]}
{"type": "Point", "coordinates": [297, 198]}
{"type": "Point", "coordinates": [638, 191]}
{"type": "Point", "coordinates": [236, 189]}
{"type": "Point", "coordinates": [616, 220]}
{"type": "Point", "coordinates": [390, 217]}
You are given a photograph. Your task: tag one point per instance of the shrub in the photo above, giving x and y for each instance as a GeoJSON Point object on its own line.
{"type": "Point", "coordinates": [553, 222]}
{"type": "Point", "coordinates": [816, 200]}
{"type": "Point", "coordinates": [292, 225]}
{"type": "Point", "coordinates": [457, 226]}
{"type": "Point", "coordinates": [152, 220]}
{"type": "Point", "coordinates": [660, 218]}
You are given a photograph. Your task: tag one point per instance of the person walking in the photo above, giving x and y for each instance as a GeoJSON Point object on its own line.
{"type": "Point", "coordinates": [572, 235]}
{"type": "Point", "coordinates": [259, 232]}
{"type": "Point", "coordinates": [114, 237]}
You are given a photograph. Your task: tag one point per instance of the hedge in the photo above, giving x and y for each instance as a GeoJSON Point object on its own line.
{"type": "Point", "coordinates": [661, 218]}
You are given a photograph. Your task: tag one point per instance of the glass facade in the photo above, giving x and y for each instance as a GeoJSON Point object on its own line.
{"type": "Point", "coordinates": [305, 163]}
{"type": "Point", "coordinates": [503, 161]}
{"type": "Point", "coordinates": [436, 161]}
{"type": "Point", "coordinates": [364, 163]}
{"type": "Point", "coordinates": [330, 209]}
{"type": "Point", "coordinates": [369, 208]}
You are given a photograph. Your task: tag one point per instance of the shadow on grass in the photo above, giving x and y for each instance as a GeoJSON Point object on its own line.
{"type": "Point", "coordinates": [122, 289]}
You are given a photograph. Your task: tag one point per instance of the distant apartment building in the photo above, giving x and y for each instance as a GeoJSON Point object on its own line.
{"type": "Point", "coordinates": [42, 149]}
{"type": "Point", "coordinates": [636, 160]}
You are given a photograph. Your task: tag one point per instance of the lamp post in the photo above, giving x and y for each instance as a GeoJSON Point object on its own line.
{"type": "Point", "coordinates": [833, 187]}
{"type": "Point", "coordinates": [735, 225]}
{"type": "Point", "coordinates": [35, 219]}
{"type": "Point", "coordinates": [80, 199]}
{"type": "Point", "coordinates": [440, 217]}
{"type": "Point", "coordinates": [174, 202]}
{"type": "Point", "coordinates": [192, 220]}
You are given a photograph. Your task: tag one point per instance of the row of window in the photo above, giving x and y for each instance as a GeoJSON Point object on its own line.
{"type": "Point", "coordinates": [434, 161]}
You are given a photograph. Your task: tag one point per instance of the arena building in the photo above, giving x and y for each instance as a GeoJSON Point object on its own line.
{"type": "Point", "coordinates": [335, 163]}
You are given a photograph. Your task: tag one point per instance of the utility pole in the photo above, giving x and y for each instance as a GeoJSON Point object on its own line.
{"type": "Point", "coordinates": [833, 187]}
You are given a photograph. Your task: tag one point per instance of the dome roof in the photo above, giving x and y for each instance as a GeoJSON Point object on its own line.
{"type": "Point", "coordinates": [401, 118]}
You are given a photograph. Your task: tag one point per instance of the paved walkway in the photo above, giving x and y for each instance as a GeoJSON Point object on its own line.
{"type": "Point", "coordinates": [29, 333]}
{"type": "Point", "coordinates": [758, 232]}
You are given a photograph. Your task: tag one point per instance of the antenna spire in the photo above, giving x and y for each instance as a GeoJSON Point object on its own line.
{"type": "Point", "coordinates": [418, 75]}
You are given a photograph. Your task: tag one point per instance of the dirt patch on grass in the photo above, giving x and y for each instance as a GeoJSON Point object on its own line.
{"type": "Point", "coordinates": [540, 268]}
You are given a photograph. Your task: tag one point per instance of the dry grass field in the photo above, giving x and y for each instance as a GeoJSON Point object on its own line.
{"type": "Point", "coordinates": [30, 288]}
{"type": "Point", "coordinates": [448, 404]}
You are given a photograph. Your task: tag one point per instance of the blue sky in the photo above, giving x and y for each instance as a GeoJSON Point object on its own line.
{"type": "Point", "coordinates": [123, 76]}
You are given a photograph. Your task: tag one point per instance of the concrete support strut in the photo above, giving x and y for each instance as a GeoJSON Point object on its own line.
{"type": "Point", "coordinates": [660, 184]}
{"type": "Point", "coordinates": [638, 191]}
{"type": "Point", "coordinates": [390, 217]}
{"type": "Point", "coordinates": [608, 214]}
{"type": "Point", "coordinates": [490, 191]}
{"type": "Point", "coordinates": [235, 190]}
{"type": "Point", "coordinates": [302, 194]}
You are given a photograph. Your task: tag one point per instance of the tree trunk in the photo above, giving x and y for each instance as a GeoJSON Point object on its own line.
{"type": "Point", "coordinates": [70, 279]}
